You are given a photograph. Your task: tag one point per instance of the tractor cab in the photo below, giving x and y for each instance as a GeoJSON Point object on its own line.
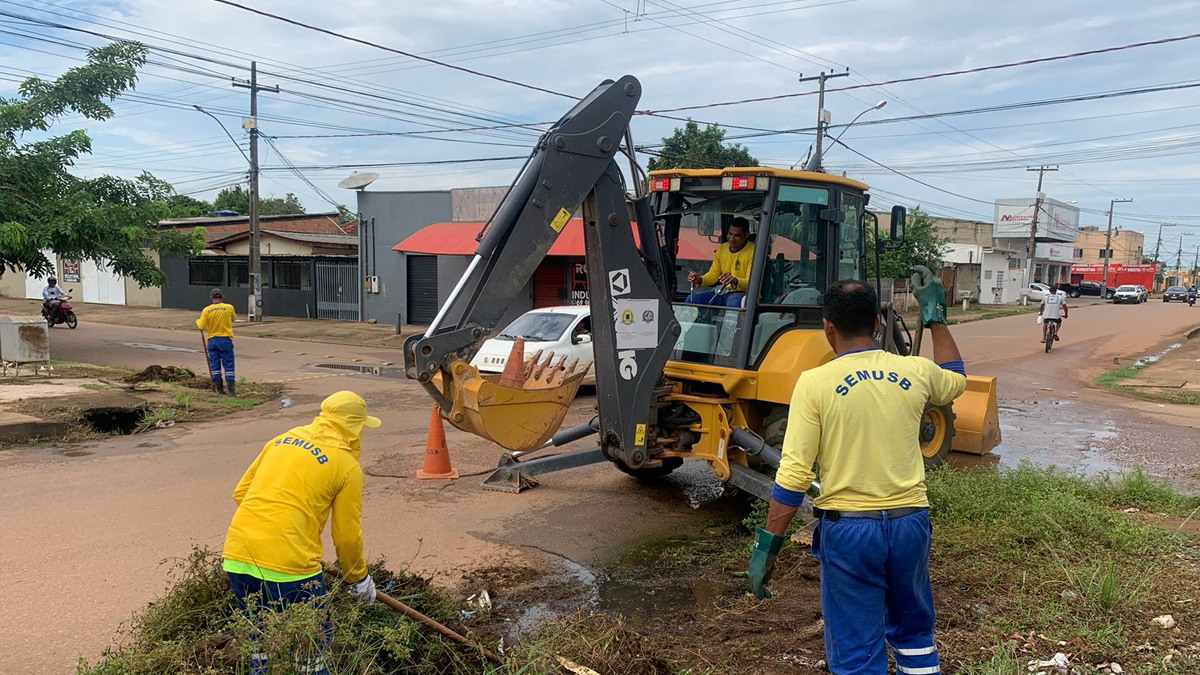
{"type": "Point", "coordinates": [806, 231]}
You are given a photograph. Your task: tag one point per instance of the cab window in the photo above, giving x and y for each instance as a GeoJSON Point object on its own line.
{"type": "Point", "coordinates": [796, 254]}
{"type": "Point", "coordinates": [850, 242]}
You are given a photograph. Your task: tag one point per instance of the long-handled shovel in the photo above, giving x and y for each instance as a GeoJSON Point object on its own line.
{"type": "Point", "coordinates": [433, 625]}
{"type": "Point", "coordinates": [204, 341]}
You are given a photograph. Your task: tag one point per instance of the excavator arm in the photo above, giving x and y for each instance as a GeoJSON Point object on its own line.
{"type": "Point", "coordinates": [633, 327]}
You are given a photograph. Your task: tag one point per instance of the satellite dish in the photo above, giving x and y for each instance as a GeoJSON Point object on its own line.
{"type": "Point", "coordinates": [358, 181]}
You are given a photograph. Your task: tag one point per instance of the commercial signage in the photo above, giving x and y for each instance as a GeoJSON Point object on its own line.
{"type": "Point", "coordinates": [1058, 221]}
{"type": "Point", "coordinates": [1055, 252]}
{"type": "Point", "coordinates": [1113, 269]}
{"type": "Point", "coordinates": [70, 271]}
{"type": "Point", "coordinates": [579, 284]}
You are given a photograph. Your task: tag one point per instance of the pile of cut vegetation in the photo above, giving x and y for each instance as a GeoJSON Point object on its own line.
{"type": "Point", "coordinates": [197, 628]}
{"type": "Point", "coordinates": [157, 373]}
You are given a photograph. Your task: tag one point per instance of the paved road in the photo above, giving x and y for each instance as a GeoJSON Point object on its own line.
{"type": "Point", "coordinates": [83, 537]}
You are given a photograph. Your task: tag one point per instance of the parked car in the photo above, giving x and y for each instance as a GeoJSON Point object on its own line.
{"type": "Point", "coordinates": [1038, 291]}
{"type": "Point", "coordinates": [1145, 293]}
{"type": "Point", "coordinates": [1128, 294]}
{"type": "Point", "coordinates": [1176, 293]}
{"type": "Point", "coordinates": [1089, 288]}
{"type": "Point", "coordinates": [566, 331]}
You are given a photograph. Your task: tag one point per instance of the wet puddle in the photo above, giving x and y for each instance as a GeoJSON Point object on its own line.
{"type": "Point", "coordinates": [1063, 434]}
{"type": "Point", "coordinates": [158, 347]}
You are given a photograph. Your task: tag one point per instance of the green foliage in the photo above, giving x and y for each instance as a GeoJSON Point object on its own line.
{"type": "Point", "coordinates": [197, 628]}
{"type": "Point", "coordinates": [922, 246]}
{"type": "Point", "coordinates": [183, 206]}
{"type": "Point", "coordinates": [694, 148]}
{"type": "Point", "coordinates": [1054, 554]}
{"type": "Point", "coordinates": [44, 206]}
{"type": "Point", "coordinates": [237, 199]}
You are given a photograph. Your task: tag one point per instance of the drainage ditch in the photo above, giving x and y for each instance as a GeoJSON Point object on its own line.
{"type": "Point", "coordinates": [121, 421]}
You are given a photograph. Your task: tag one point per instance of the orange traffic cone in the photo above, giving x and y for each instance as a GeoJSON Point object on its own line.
{"type": "Point", "coordinates": [437, 455]}
{"type": "Point", "coordinates": [514, 369]}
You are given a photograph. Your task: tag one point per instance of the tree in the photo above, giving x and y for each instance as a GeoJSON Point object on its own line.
{"type": "Point", "coordinates": [922, 246]}
{"type": "Point", "coordinates": [694, 148]}
{"type": "Point", "coordinates": [43, 206]}
{"type": "Point", "coordinates": [183, 206]}
{"type": "Point", "coordinates": [237, 199]}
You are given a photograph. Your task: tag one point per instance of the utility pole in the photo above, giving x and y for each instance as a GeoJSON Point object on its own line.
{"type": "Point", "coordinates": [255, 304]}
{"type": "Point", "coordinates": [1037, 209]}
{"type": "Point", "coordinates": [1108, 239]}
{"type": "Point", "coordinates": [823, 116]}
{"type": "Point", "coordinates": [1159, 242]}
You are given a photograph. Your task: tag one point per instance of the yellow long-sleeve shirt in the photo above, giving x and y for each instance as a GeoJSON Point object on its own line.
{"type": "Point", "coordinates": [287, 495]}
{"type": "Point", "coordinates": [217, 319]}
{"type": "Point", "coordinates": [738, 264]}
{"type": "Point", "coordinates": [859, 418]}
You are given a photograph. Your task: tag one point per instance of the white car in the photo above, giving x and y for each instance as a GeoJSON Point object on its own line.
{"type": "Point", "coordinates": [566, 331]}
{"type": "Point", "coordinates": [1038, 291]}
{"type": "Point", "coordinates": [1128, 294]}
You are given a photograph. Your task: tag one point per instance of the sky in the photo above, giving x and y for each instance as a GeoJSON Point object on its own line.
{"type": "Point", "coordinates": [1142, 146]}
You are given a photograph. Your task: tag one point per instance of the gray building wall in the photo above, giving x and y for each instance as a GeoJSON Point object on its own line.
{"type": "Point", "coordinates": [386, 219]}
{"type": "Point", "coordinates": [178, 293]}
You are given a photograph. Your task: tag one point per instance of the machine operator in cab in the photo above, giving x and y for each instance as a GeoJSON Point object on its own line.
{"type": "Point", "coordinates": [730, 271]}
{"type": "Point", "coordinates": [859, 418]}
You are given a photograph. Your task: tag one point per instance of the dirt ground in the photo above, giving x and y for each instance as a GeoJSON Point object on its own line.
{"type": "Point", "coordinates": [98, 526]}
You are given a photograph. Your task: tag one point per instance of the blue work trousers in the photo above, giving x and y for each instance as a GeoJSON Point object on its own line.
{"type": "Point", "coordinates": [220, 355]}
{"type": "Point", "coordinates": [276, 596]}
{"type": "Point", "coordinates": [716, 298]}
{"type": "Point", "coordinates": [874, 588]}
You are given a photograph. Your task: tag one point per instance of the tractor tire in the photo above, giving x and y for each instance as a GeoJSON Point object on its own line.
{"type": "Point", "coordinates": [651, 475]}
{"type": "Point", "coordinates": [775, 426]}
{"type": "Point", "coordinates": [937, 435]}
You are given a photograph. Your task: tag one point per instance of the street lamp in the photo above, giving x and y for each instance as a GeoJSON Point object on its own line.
{"type": "Point", "coordinates": [254, 308]}
{"type": "Point", "coordinates": [816, 161]}
{"type": "Point", "coordinates": [222, 125]}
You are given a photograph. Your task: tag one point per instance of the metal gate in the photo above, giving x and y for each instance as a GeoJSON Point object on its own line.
{"type": "Point", "coordinates": [338, 288]}
{"type": "Point", "coordinates": [422, 289]}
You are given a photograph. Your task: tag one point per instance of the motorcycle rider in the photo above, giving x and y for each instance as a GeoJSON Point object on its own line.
{"type": "Point", "coordinates": [52, 294]}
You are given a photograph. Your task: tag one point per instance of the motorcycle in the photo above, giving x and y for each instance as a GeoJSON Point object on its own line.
{"type": "Point", "coordinates": [63, 312]}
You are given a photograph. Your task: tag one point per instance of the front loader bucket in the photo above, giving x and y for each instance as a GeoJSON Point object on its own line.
{"type": "Point", "coordinates": [977, 419]}
{"type": "Point", "coordinates": [516, 419]}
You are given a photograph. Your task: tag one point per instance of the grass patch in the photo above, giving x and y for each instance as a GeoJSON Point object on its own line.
{"type": "Point", "coordinates": [161, 416]}
{"type": "Point", "coordinates": [1054, 555]}
{"type": "Point", "coordinates": [197, 628]}
{"type": "Point", "coordinates": [1113, 379]}
{"type": "Point", "coordinates": [74, 369]}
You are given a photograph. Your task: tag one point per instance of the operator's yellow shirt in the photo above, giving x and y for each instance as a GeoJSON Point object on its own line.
{"type": "Point", "coordinates": [738, 264]}
{"type": "Point", "coordinates": [285, 498]}
{"type": "Point", "coordinates": [217, 320]}
{"type": "Point", "coordinates": [858, 417]}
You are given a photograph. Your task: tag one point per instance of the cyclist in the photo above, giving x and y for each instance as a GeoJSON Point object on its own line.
{"type": "Point", "coordinates": [1054, 308]}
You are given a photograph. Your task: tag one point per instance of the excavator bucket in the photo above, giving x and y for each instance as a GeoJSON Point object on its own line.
{"type": "Point", "coordinates": [977, 419]}
{"type": "Point", "coordinates": [515, 418]}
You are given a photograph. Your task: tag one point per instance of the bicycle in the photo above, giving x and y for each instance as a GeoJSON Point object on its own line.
{"type": "Point", "coordinates": [1051, 335]}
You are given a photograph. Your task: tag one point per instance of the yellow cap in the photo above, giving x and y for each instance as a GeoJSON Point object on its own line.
{"type": "Point", "coordinates": [350, 407]}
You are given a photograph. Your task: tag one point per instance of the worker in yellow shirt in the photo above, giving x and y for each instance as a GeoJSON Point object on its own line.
{"type": "Point", "coordinates": [858, 417]}
{"type": "Point", "coordinates": [217, 321]}
{"type": "Point", "coordinates": [730, 270]}
{"type": "Point", "coordinates": [273, 549]}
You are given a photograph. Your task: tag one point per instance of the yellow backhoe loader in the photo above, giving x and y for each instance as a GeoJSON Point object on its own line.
{"type": "Point", "coordinates": [674, 379]}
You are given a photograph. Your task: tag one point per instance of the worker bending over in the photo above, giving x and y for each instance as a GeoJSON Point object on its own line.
{"type": "Point", "coordinates": [730, 270]}
{"type": "Point", "coordinates": [273, 548]}
{"type": "Point", "coordinates": [217, 321]}
{"type": "Point", "coordinates": [858, 417]}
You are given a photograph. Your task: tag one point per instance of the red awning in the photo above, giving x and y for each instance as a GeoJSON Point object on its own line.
{"type": "Point", "coordinates": [459, 239]}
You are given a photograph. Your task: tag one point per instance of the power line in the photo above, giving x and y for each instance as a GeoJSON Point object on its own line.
{"type": "Point", "coordinates": [931, 76]}
{"type": "Point", "coordinates": [400, 52]}
{"type": "Point", "coordinates": [391, 164]}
